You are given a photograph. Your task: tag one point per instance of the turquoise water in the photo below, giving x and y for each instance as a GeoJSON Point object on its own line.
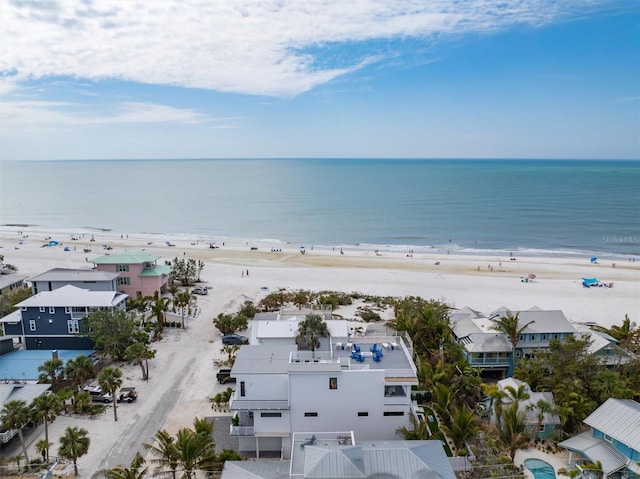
{"type": "Point", "coordinates": [540, 469]}
{"type": "Point", "coordinates": [526, 206]}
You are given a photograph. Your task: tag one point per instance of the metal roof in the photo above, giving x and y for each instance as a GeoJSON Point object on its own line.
{"type": "Point", "coordinates": [70, 296]}
{"type": "Point", "coordinates": [618, 418]}
{"type": "Point", "coordinates": [9, 279]}
{"type": "Point", "coordinates": [64, 274]}
{"type": "Point", "coordinates": [596, 450]}
{"type": "Point", "coordinates": [126, 258]}
{"type": "Point", "coordinates": [157, 270]}
{"type": "Point", "coordinates": [25, 392]}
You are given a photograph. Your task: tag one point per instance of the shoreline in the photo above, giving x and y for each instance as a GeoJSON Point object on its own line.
{"type": "Point", "coordinates": [107, 235]}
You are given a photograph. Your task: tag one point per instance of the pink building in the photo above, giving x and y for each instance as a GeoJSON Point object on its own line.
{"type": "Point", "coordinates": [138, 273]}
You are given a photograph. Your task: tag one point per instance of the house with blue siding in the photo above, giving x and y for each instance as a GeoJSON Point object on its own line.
{"type": "Point", "coordinates": [489, 350]}
{"type": "Point", "coordinates": [613, 439]}
{"type": "Point", "coordinates": [51, 319]}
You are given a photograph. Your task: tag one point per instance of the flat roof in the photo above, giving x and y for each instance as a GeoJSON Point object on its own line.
{"type": "Point", "coordinates": [23, 365]}
{"type": "Point", "coordinates": [263, 359]}
{"type": "Point", "coordinates": [64, 274]}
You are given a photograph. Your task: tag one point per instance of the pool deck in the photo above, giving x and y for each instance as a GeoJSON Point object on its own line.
{"type": "Point", "coordinates": [558, 460]}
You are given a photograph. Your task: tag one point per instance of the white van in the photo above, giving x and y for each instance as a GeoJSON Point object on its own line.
{"type": "Point", "coordinates": [98, 395]}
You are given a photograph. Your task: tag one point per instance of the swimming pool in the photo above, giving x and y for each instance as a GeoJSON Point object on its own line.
{"type": "Point", "coordinates": [540, 469]}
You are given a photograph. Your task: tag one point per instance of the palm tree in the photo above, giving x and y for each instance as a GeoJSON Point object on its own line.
{"type": "Point", "coordinates": [79, 370]}
{"type": "Point", "coordinates": [15, 415]}
{"type": "Point", "coordinates": [110, 379]}
{"type": "Point", "coordinates": [512, 430]}
{"type": "Point", "coordinates": [52, 371]}
{"type": "Point", "coordinates": [463, 426]}
{"type": "Point", "coordinates": [74, 444]}
{"type": "Point", "coordinates": [159, 307]}
{"type": "Point", "coordinates": [46, 408]}
{"type": "Point", "coordinates": [196, 451]}
{"type": "Point", "coordinates": [510, 327]}
{"type": "Point", "coordinates": [517, 395]}
{"type": "Point", "coordinates": [182, 301]}
{"type": "Point", "coordinates": [64, 394]}
{"type": "Point", "coordinates": [418, 430]}
{"type": "Point", "coordinates": [134, 471]}
{"type": "Point", "coordinates": [541, 407]}
{"type": "Point", "coordinates": [42, 447]}
{"type": "Point", "coordinates": [309, 331]}
{"type": "Point", "coordinates": [164, 449]}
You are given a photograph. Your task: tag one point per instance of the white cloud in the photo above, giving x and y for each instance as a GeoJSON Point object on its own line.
{"type": "Point", "coordinates": [263, 47]}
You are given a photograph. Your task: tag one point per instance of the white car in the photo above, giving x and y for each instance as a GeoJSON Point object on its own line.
{"type": "Point", "coordinates": [199, 290]}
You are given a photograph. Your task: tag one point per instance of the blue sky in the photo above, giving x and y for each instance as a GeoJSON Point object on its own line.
{"type": "Point", "coordinates": [287, 78]}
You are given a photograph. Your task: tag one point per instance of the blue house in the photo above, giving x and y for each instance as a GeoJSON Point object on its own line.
{"type": "Point", "coordinates": [51, 319]}
{"type": "Point", "coordinates": [613, 439]}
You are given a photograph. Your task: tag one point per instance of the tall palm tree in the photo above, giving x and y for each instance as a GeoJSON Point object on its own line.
{"type": "Point", "coordinates": [15, 415]}
{"type": "Point", "coordinates": [134, 471]}
{"type": "Point", "coordinates": [52, 370]}
{"type": "Point", "coordinates": [517, 395]}
{"type": "Point", "coordinates": [46, 408]}
{"type": "Point", "coordinates": [110, 379]}
{"type": "Point", "coordinates": [512, 429]}
{"type": "Point", "coordinates": [159, 308]}
{"type": "Point", "coordinates": [418, 430]}
{"type": "Point", "coordinates": [164, 449]}
{"type": "Point", "coordinates": [509, 325]}
{"type": "Point", "coordinates": [309, 331]}
{"type": "Point", "coordinates": [182, 300]}
{"type": "Point", "coordinates": [74, 444]}
{"type": "Point", "coordinates": [79, 370]}
{"type": "Point", "coordinates": [541, 407]}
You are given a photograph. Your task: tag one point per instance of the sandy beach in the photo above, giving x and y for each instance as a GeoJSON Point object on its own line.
{"type": "Point", "coordinates": [182, 376]}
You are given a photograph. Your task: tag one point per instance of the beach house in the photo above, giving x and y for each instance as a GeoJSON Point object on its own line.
{"type": "Point", "coordinates": [540, 419]}
{"type": "Point", "coordinates": [90, 279]}
{"type": "Point", "coordinates": [487, 349]}
{"type": "Point", "coordinates": [139, 273]}
{"type": "Point", "coordinates": [16, 392]}
{"type": "Point", "coordinates": [613, 439]}
{"type": "Point", "coordinates": [9, 282]}
{"type": "Point", "coordinates": [51, 319]}
{"type": "Point", "coordinates": [363, 386]}
{"type": "Point", "coordinates": [338, 455]}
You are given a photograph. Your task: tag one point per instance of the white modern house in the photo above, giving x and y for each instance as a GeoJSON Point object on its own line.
{"type": "Point", "coordinates": [357, 384]}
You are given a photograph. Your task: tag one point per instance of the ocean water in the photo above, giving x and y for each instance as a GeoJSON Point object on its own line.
{"type": "Point", "coordinates": [524, 206]}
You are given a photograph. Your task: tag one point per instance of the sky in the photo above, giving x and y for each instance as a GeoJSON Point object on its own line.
{"type": "Point", "coordinates": [126, 79]}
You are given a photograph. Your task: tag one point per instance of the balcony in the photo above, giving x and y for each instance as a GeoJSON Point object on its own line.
{"type": "Point", "coordinates": [7, 435]}
{"type": "Point", "coordinates": [241, 430]}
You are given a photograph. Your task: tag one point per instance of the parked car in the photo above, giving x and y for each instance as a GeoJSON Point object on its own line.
{"type": "Point", "coordinates": [224, 376]}
{"type": "Point", "coordinates": [199, 290]}
{"type": "Point", "coordinates": [127, 394]}
{"type": "Point", "coordinates": [234, 339]}
{"type": "Point", "coordinates": [97, 394]}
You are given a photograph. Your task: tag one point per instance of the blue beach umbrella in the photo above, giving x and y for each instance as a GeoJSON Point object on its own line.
{"type": "Point", "coordinates": [594, 259]}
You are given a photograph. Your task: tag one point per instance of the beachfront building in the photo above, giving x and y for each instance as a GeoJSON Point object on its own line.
{"type": "Point", "coordinates": [489, 350]}
{"type": "Point", "coordinates": [613, 439]}
{"type": "Point", "coordinates": [51, 319]}
{"type": "Point", "coordinates": [603, 346]}
{"type": "Point", "coordinates": [338, 455]}
{"type": "Point", "coordinates": [12, 392]}
{"type": "Point", "coordinates": [139, 274]}
{"type": "Point", "coordinates": [538, 423]}
{"type": "Point", "coordinates": [10, 282]}
{"type": "Point", "coordinates": [362, 385]}
{"type": "Point", "coordinates": [90, 279]}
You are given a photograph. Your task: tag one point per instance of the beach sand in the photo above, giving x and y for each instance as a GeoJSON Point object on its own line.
{"type": "Point", "coordinates": [183, 373]}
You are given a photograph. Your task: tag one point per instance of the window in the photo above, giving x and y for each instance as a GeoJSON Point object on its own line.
{"type": "Point", "coordinates": [394, 413]}
{"type": "Point", "coordinates": [73, 326]}
{"type": "Point", "coordinates": [42, 309]}
{"type": "Point", "coordinates": [242, 389]}
{"type": "Point", "coordinates": [67, 310]}
{"type": "Point", "coordinates": [544, 337]}
{"type": "Point", "coordinates": [541, 429]}
{"type": "Point", "coordinates": [521, 338]}
{"type": "Point", "coordinates": [23, 308]}
{"type": "Point", "coordinates": [124, 280]}
{"type": "Point", "coordinates": [32, 324]}
{"type": "Point", "coordinates": [122, 268]}
{"type": "Point", "coordinates": [607, 438]}
{"type": "Point", "coordinates": [270, 414]}
{"type": "Point", "coordinates": [310, 414]}
{"type": "Point", "coordinates": [363, 414]}
{"type": "Point", "coordinates": [333, 383]}
{"type": "Point", "coordinates": [393, 391]}
{"type": "Point", "coordinates": [52, 310]}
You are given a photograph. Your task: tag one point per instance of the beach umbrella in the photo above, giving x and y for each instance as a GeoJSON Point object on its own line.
{"type": "Point", "coordinates": [594, 259]}
{"type": "Point", "coordinates": [531, 276]}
